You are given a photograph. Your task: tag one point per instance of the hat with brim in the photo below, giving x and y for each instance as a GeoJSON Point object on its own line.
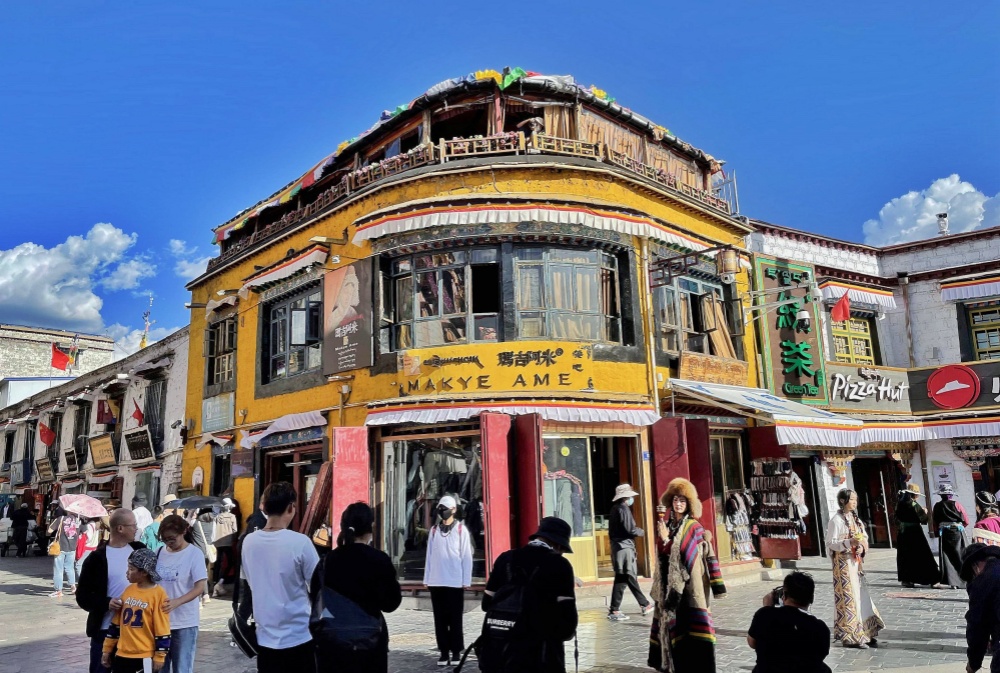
{"type": "Point", "coordinates": [555, 530]}
{"type": "Point", "coordinates": [912, 489]}
{"type": "Point", "coordinates": [977, 551]}
{"type": "Point", "coordinates": [624, 491]}
{"type": "Point", "coordinates": [145, 559]}
{"type": "Point", "coordinates": [946, 489]}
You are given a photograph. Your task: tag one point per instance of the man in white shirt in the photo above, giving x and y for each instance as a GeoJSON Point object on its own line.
{"type": "Point", "coordinates": [278, 564]}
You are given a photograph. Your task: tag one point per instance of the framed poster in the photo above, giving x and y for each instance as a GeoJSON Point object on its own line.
{"type": "Point", "coordinates": [102, 451]}
{"type": "Point", "coordinates": [347, 299]}
{"type": "Point", "coordinates": [139, 443]}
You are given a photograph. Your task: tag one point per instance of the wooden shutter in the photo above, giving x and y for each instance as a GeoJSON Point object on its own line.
{"type": "Point", "coordinates": [528, 455]}
{"type": "Point", "coordinates": [349, 460]}
{"type": "Point", "coordinates": [495, 429]}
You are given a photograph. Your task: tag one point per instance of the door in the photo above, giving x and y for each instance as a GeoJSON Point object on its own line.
{"type": "Point", "coordinates": [496, 484]}
{"type": "Point", "coordinates": [299, 467]}
{"type": "Point", "coordinates": [870, 474]}
{"type": "Point", "coordinates": [528, 452]}
{"type": "Point", "coordinates": [812, 539]}
{"type": "Point", "coordinates": [614, 461]}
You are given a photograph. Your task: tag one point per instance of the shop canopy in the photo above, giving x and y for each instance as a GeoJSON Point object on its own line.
{"type": "Point", "coordinates": [832, 289]}
{"type": "Point", "coordinates": [975, 286]}
{"type": "Point", "coordinates": [315, 255]}
{"type": "Point", "coordinates": [795, 423]}
{"type": "Point", "coordinates": [562, 410]}
{"type": "Point", "coordinates": [287, 423]}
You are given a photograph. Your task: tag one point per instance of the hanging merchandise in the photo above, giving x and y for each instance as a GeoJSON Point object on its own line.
{"type": "Point", "coordinates": [739, 508]}
{"type": "Point", "coordinates": [780, 523]}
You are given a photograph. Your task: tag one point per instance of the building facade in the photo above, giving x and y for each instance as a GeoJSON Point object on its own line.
{"type": "Point", "coordinates": [913, 360]}
{"type": "Point", "coordinates": [115, 433]}
{"type": "Point", "coordinates": [26, 359]}
{"type": "Point", "coordinates": [487, 294]}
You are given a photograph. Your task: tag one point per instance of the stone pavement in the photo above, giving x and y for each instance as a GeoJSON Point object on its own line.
{"type": "Point", "coordinates": [925, 629]}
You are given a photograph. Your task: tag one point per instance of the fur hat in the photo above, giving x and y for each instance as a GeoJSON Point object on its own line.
{"type": "Point", "coordinates": [681, 486]}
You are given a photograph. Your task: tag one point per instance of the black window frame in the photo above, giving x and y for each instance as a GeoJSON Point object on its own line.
{"type": "Point", "coordinates": [55, 425]}
{"type": "Point", "coordinates": [10, 443]}
{"type": "Point", "coordinates": [155, 411]}
{"type": "Point", "coordinates": [279, 317]}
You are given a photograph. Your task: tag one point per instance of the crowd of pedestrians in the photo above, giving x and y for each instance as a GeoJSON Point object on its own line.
{"type": "Point", "coordinates": [298, 611]}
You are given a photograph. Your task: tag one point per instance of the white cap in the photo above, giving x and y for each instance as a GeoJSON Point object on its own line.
{"type": "Point", "coordinates": [623, 491]}
{"type": "Point", "coordinates": [228, 502]}
{"type": "Point", "coordinates": [447, 501]}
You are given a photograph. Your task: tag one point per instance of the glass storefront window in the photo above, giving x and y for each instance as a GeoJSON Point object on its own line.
{"type": "Point", "coordinates": [418, 473]}
{"type": "Point", "coordinates": [566, 489]}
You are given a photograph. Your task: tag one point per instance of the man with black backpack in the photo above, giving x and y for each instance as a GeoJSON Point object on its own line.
{"type": "Point", "coordinates": [530, 604]}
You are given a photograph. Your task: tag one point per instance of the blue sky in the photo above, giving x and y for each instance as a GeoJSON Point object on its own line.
{"type": "Point", "coordinates": [163, 121]}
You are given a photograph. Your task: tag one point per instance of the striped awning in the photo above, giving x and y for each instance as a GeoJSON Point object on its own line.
{"type": "Point", "coordinates": [923, 429]}
{"type": "Point", "coordinates": [835, 290]}
{"type": "Point", "coordinates": [311, 256]}
{"type": "Point", "coordinates": [562, 410]}
{"type": "Point", "coordinates": [795, 423]}
{"type": "Point", "coordinates": [595, 218]}
{"type": "Point", "coordinates": [969, 287]}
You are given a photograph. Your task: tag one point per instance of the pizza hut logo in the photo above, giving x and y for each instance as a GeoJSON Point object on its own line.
{"type": "Point", "coordinates": [953, 387]}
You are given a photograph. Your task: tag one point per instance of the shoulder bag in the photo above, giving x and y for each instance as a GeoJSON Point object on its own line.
{"type": "Point", "coordinates": [241, 625]}
{"type": "Point", "coordinates": [54, 548]}
{"type": "Point", "coordinates": [210, 551]}
{"type": "Point", "coordinates": [339, 623]}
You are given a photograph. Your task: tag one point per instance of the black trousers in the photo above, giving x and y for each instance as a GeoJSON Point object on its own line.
{"type": "Point", "coordinates": [126, 665]}
{"type": "Point", "coordinates": [300, 659]}
{"type": "Point", "coordinates": [448, 604]}
{"type": "Point", "coordinates": [625, 564]}
{"type": "Point", "coordinates": [21, 540]}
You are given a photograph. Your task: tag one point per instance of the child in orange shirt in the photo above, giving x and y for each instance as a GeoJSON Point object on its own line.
{"type": "Point", "coordinates": [142, 629]}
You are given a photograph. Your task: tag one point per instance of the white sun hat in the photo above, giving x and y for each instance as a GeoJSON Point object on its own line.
{"type": "Point", "coordinates": [623, 491]}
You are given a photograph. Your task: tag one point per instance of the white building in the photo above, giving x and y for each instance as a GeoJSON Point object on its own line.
{"type": "Point", "coordinates": [116, 433]}
{"type": "Point", "coordinates": [918, 361]}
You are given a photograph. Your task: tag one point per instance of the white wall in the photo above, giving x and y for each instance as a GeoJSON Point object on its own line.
{"type": "Point", "coordinates": [805, 251]}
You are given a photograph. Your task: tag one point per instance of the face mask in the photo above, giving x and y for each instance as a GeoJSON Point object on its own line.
{"type": "Point", "coordinates": [630, 501]}
{"type": "Point", "coordinates": [445, 512]}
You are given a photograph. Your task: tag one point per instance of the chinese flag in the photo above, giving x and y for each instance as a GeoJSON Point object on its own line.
{"type": "Point", "coordinates": [841, 310]}
{"type": "Point", "coordinates": [137, 414]}
{"type": "Point", "coordinates": [60, 360]}
{"type": "Point", "coordinates": [46, 434]}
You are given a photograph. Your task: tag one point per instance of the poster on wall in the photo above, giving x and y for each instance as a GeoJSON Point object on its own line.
{"type": "Point", "coordinates": [347, 299]}
{"type": "Point", "coordinates": [791, 350]}
{"type": "Point", "coordinates": [943, 473]}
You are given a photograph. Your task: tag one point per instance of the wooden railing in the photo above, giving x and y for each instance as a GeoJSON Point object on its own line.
{"type": "Point", "coordinates": [461, 148]}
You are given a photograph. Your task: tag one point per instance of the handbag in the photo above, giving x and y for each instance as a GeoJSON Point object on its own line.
{"type": "Point", "coordinates": [81, 545]}
{"type": "Point", "coordinates": [339, 623]}
{"type": "Point", "coordinates": [241, 625]}
{"type": "Point", "coordinates": [210, 551]}
{"type": "Point", "coordinates": [54, 549]}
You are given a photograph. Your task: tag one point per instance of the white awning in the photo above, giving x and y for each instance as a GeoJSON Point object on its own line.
{"type": "Point", "coordinates": [795, 423]}
{"type": "Point", "coordinates": [836, 290]}
{"type": "Point", "coordinates": [214, 305]}
{"type": "Point", "coordinates": [312, 256]}
{"type": "Point", "coordinates": [309, 419]}
{"type": "Point", "coordinates": [209, 438]}
{"type": "Point", "coordinates": [971, 287]}
{"type": "Point", "coordinates": [101, 478]}
{"type": "Point", "coordinates": [568, 411]}
{"type": "Point", "coordinates": [594, 218]}
{"type": "Point", "coordinates": [151, 366]}
{"type": "Point", "coordinates": [923, 429]}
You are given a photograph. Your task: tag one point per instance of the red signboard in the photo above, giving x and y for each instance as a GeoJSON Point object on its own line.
{"type": "Point", "coordinates": [953, 387]}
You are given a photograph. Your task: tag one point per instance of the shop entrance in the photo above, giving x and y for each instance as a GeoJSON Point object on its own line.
{"type": "Point", "coordinates": [812, 539]}
{"type": "Point", "coordinates": [579, 476]}
{"type": "Point", "coordinates": [873, 480]}
{"type": "Point", "coordinates": [300, 467]}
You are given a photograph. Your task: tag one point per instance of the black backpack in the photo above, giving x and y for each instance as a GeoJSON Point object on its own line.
{"type": "Point", "coordinates": [508, 641]}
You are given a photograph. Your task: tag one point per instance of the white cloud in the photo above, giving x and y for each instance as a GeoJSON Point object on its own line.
{"type": "Point", "coordinates": [54, 287]}
{"type": "Point", "coordinates": [127, 340]}
{"type": "Point", "coordinates": [127, 275]}
{"type": "Point", "coordinates": [913, 216]}
{"type": "Point", "coordinates": [188, 265]}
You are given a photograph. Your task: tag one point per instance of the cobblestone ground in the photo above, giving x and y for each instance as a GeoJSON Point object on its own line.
{"type": "Point", "coordinates": [925, 629]}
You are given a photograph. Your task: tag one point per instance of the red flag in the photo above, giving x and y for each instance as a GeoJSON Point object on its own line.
{"type": "Point", "coordinates": [841, 311]}
{"type": "Point", "coordinates": [60, 360]}
{"type": "Point", "coordinates": [137, 414]}
{"type": "Point", "coordinates": [46, 434]}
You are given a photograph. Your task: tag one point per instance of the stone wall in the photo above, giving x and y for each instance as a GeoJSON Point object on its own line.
{"type": "Point", "coordinates": [27, 351]}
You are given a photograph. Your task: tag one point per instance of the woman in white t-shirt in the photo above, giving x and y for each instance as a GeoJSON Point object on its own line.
{"type": "Point", "coordinates": [447, 573]}
{"type": "Point", "coordinates": [181, 567]}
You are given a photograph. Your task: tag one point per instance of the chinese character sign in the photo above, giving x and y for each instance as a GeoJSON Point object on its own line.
{"type": "Point", "coordinates": [790, 348]}
{"type": "Point", "coordinates": [347, 309]}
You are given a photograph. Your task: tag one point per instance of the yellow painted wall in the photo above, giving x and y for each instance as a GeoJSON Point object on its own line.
{"type": "Point", "coordinates": [596, 186]}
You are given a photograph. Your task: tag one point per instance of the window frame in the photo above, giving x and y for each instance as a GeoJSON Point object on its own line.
{"type": "Point", "coordinates": [845, 332]}
{"type": "Point", "coordinates": [691, 299]}
{"type": "Point", "coordinates": [220, 352]}
{"type": "Point", "coordinates": [608, 306]}
{"type": "Point", "coordinates": [313, 342]}
{"type": "Point", "coordinates": [989, 352]}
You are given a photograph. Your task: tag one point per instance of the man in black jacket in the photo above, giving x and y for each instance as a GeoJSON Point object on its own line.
{"type": "Point", "coordinates": [19, 521]}
{"type": "Point", "coordinates": [549, 608]}
{"type": "Point", "coordinates": [102, 581]}
{"type": "Point", "coordinates": [622, 532]}
{"type": "Point", "coordinates": [981, 573]}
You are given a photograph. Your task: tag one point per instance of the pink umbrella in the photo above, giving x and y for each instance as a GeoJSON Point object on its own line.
{"type": "Point", "coordinates": [84, 505]}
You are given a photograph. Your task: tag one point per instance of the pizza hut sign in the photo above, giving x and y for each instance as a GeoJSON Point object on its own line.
{"type": "Point", "coordinates": [867, 384]}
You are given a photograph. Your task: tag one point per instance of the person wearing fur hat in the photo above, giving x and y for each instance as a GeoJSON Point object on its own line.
{"type": "Point", "coordinates": [981, 570]}
{"type": "Point", "coordinates": [682, 637]}
{"type": "Point", "coordinates": [951, 521]}
{"type": "Point", "coordinates": [987, 528]}
{"type": "Point", "coordinates": [856, 620]}
{"type": "Point", "coordinates": [915, 562]}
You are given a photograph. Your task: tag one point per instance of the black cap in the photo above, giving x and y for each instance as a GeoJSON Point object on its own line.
{"type": "Point", "coordinates": [977, 551]}
{"type": "Point", "coordinates": [555, 530]}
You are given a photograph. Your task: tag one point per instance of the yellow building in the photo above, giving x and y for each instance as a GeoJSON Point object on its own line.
{"type": "Point", "coordinates": [470, 298]}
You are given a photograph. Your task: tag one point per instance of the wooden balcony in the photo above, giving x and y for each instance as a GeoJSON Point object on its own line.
{"type": "Point", "coordinates": [543, 144]}
{"type": "Point", "coordinates": [461, 148]}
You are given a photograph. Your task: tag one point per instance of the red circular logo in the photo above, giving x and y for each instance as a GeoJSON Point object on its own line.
{"type": "Point", "coordinates": [953, 387]}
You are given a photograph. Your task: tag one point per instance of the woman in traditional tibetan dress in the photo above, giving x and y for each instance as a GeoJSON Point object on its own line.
{"type": "Point", "coordinates": [915, 562]}
{"type": "Point", "coordinates": [682, 637]}
{"type": "Point", "coordinates": [951, 521]}
{"type": "Point", "coordinates": [856, 620]}
{"type": "Point", "coordinates": [987, 528]}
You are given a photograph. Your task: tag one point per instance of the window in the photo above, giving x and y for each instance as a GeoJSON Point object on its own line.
{"type": "Point", "coordinates": [81, 431]}
{"type": "Point", "coordinates": [220, 351]}
{"type": "Point", "coordinates": [155, 410]}
{"type": "Point", "coordinates": [8, 447]}
{"type": "Point", "coordinates": [30, 432]}
{"type": "Point", "coordinates": [853, 341]}
{"type": "Point", "coordinates": [55, 425]}
{"type": "Point", "coordinates": [294, 336]}
{"type": "Point", "coordinates": [564, 293]}
{"type": "Point", "coordinates": [985, 323]}
{"type": "Point", "coordinates": [442, 298]}
{"type": "Point", "coordinates": [687, 312]}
